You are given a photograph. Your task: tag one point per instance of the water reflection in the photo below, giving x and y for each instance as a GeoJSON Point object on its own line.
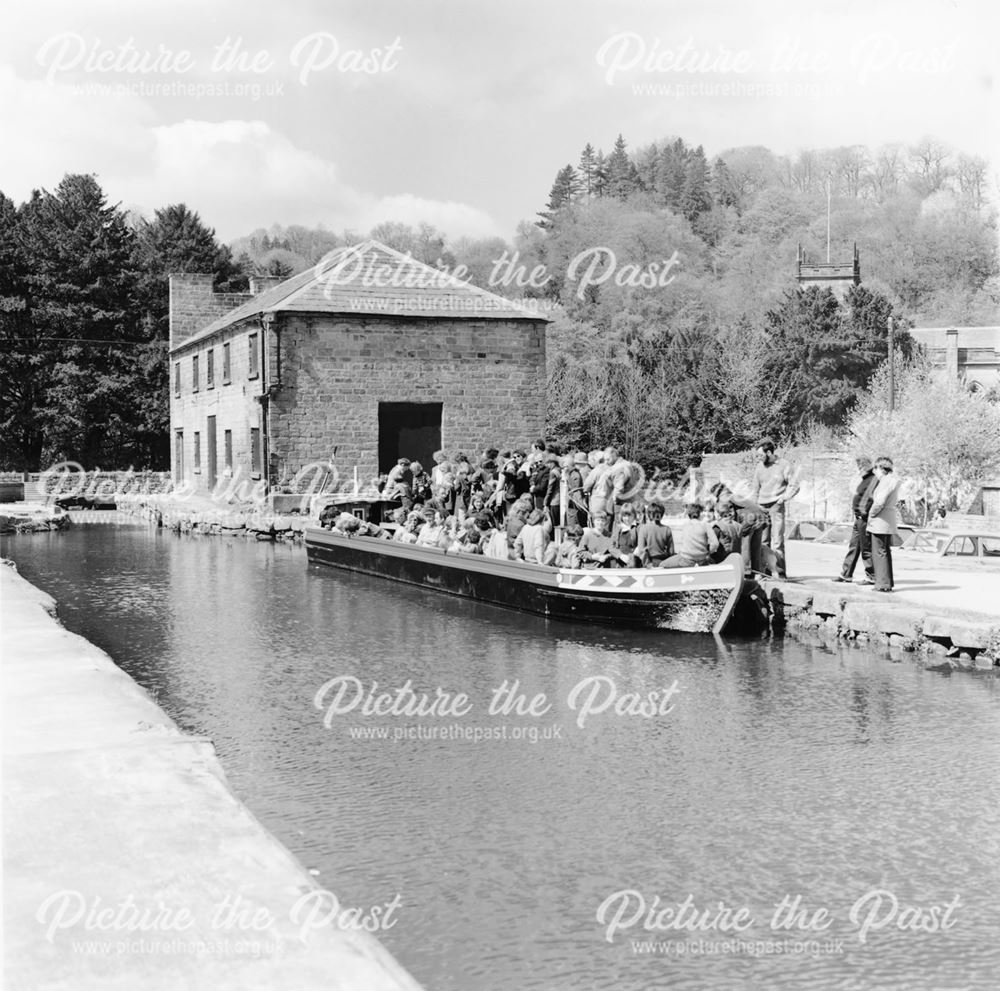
{"type": "Point", "coordinates": [780, 770]}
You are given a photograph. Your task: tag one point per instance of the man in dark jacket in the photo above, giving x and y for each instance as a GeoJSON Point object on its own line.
{"type": "Point", "coordinates": [752, 519]}
{"type": "Point", "coordinates": [861, 541]}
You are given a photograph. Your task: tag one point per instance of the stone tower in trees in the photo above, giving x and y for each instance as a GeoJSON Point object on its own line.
{"type": "Point", "coordinates": [838, 277]}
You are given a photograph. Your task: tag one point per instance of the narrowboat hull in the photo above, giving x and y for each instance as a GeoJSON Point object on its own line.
{"type": "Point", "coordinates": [694, 600]}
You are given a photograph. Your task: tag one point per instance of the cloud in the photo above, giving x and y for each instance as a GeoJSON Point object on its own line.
{"type": "Point", "coordinates": [238, 174]}
{"type": "Point", "coordinates": [51, 130]}
{"type": "Point", "coordinates": [456, 219]}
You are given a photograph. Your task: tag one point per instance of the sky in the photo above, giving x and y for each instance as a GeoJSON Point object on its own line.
{"type": "Point", "coordinates": [346, 114]}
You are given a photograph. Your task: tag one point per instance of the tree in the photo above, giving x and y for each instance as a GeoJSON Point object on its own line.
{"type": "Point", "coordinates": [670, 173]}
{"type": "Point", "coordinates": [971, 174]}
{"type": "Point", "coordinates": [750, 398]}
{"type": "Point", "coordinates": [753, 169]}
{"type": "Point", "coordinates": [850, 167]}
{"type": "Point", "coordinates": [623, 178]}
{"type": "Point", "coordinates": [175, 241]}
{"type": "Point", "coordinates": [24, 356]}
{"type": "Point", "coordinates": [588, 169]}
{"type": "Point", "coordinates": [942, 438]}
{"type": "Point", "coordinates": [930, 169]}
{"type": "Point", "coordinates": [722, 186]}
{"type": "Point", "coordinates": [647, 163]}
{"type": "Point", "coordinates": [480, 258]}
{"type": "Point", "coordinates": [81, 283]}
{"type": "Point", "coordinates": [600, 179]}
{"type": "Point", "coordinates": [695, 195]}
{"type": "Point", "coordinates": [280, 263]}
{"type": "Point", "coordinates": [564, 192]}
{"type": "Point", "coordinates": [886, 171]}
{"type": "Point", "coordinates": [824, 354]}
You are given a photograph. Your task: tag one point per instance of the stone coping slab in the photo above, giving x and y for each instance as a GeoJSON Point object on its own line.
{"type": "Point", "coordinates": [128, 861]}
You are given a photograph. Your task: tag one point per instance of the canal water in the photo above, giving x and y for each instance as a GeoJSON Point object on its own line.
{"type": "Point", "coordinates": [859, 794]}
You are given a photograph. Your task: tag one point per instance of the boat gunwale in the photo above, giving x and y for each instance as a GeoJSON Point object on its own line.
{"type": "Point", "coordinates": [544, 575]}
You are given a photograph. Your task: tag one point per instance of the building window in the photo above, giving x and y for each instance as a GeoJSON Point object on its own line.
{"type": "Point", "coordinates": [197, 451]}
{"type": "Point", "coordinates": [226, 367]}
{"type": "Point", "coordinates": [227, 447]}
{"type": "Point", "coordinates": [177, 378]}
{"type": "Point", "coordinates": [179, 456]}
{"type": "Point", "coordinates": [194, 375]}
{"type": "Point", "coordinates": [255, 454]}
{"type": "Point", "coordinates": [210, 368]}
{"type": "Point", "coordinates": [254, 357]}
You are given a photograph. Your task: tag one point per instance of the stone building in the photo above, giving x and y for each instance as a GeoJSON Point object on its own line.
{"type": "Point", "coordinates": [368, 357]}
{"type": "Point", "coordinates": [838, 277]}
{"type": "Point", "coordinates": [969, 354]}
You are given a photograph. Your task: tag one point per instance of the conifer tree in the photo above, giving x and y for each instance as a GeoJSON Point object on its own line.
{"type": "Point", "coordinates": [723, 186]}
{"type": "Point", "coordinates": [695, 195]}
{"type": "Point", "coordinates": [600, 174]}
{"type": "Point", "coordinates": [81, 284]}
{"type": "Point", "coordinates": [565, 191]}
{"type": "Point", "coordinates": [23, 356]}
{"type": "Point", "coordinates": [623, 178]}
{"type": "Point", "coordinates": [175, 241]}
{"type": "Point", "coordinates": [671, 172]}
{"type": "Point", "coordinates": [588, 168]}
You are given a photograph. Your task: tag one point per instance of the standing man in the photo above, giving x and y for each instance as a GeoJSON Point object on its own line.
{"type": "Point", "coordinates": [607, 483]}
{"type": "Point", "coordinates": [576, 507]}
{"type": "Point", "coordinates": [882, 523]}
{"type": "Point", "coordinates": [861, 541]}
{"type": "Point", "coordinates": [773, 488]}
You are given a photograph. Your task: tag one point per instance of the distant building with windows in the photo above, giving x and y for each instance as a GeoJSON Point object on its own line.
{"type": "Point", "coordinates": [838, 277]}
{"type": "Point", "coordinates": [968, 354]}
{"type": "Point", "coordinates": [371, 355]}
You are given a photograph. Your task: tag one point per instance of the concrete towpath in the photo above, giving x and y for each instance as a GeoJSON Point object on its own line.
{"type": "Point", "coordinates": [128, 862]}
{"type": "Point", "coordinates": [937, 603]}
{"type": "Point", "coordinates": [972, 590]}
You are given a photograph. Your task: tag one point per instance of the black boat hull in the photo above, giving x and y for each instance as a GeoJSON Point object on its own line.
{"type": "Point", "coordinates": [696, 600]}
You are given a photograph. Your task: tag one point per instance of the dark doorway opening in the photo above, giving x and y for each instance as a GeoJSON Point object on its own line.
{"type": "Point", "coordinates": [408, 430]}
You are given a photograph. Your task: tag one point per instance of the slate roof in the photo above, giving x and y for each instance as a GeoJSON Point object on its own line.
{"type": "Point", "coordinates": [373, 280]}
{"type": "Point", "coordinates": [987, 338]}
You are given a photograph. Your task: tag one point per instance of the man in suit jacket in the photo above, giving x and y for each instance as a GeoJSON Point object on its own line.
{"type": "Point", "coordinates": [882, 523]}
{"type": "Point", "coordinates": [861, 543]}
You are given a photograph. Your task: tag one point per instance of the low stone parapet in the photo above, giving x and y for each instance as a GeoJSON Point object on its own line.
{"type": "Point", "coordinates": [206, 518]}
{"type": "Point", "coordinates": [28, 517]}
{"type": "Point", "coordinates": [932, 635]}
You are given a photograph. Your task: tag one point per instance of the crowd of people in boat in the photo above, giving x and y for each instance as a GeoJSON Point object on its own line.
{"type": "Point", "coordinates": [510, 505]}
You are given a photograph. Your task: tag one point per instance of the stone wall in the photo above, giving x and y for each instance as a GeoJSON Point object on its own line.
{"type": "Point", "coordinates": [488, 374]}
{"type": "Point", "coordinates": [193, 305]}
{"type": "Point", "coordinates": [235, 404]}
{"type": "Point", "coordinates": [940, 639]}
{"type": "Point", "coordinates": [826, 480]}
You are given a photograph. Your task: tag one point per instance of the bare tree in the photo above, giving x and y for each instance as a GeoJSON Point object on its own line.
{"type": "Point", "coordinates": [929, 165]}
{"type": "Point", "coordinates": [625, 399]}
{"type": "Point", "coordinates": [850, 166]}
{"type": "Point", "coordinates": [886, 171]}
{"type": "Point", "coordinates": [805, 171]}
{"type": "Point", "coordinates": [971, 175]}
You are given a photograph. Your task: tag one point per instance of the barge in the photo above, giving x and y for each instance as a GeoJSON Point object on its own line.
{"type": "Point", "coordinates": [693, 600]}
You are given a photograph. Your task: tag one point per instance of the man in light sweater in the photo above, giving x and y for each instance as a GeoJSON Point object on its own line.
{"type": "Point", "coordinates": [533, 543]}
{"type": "Point", "coordinates": [773, 488]}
